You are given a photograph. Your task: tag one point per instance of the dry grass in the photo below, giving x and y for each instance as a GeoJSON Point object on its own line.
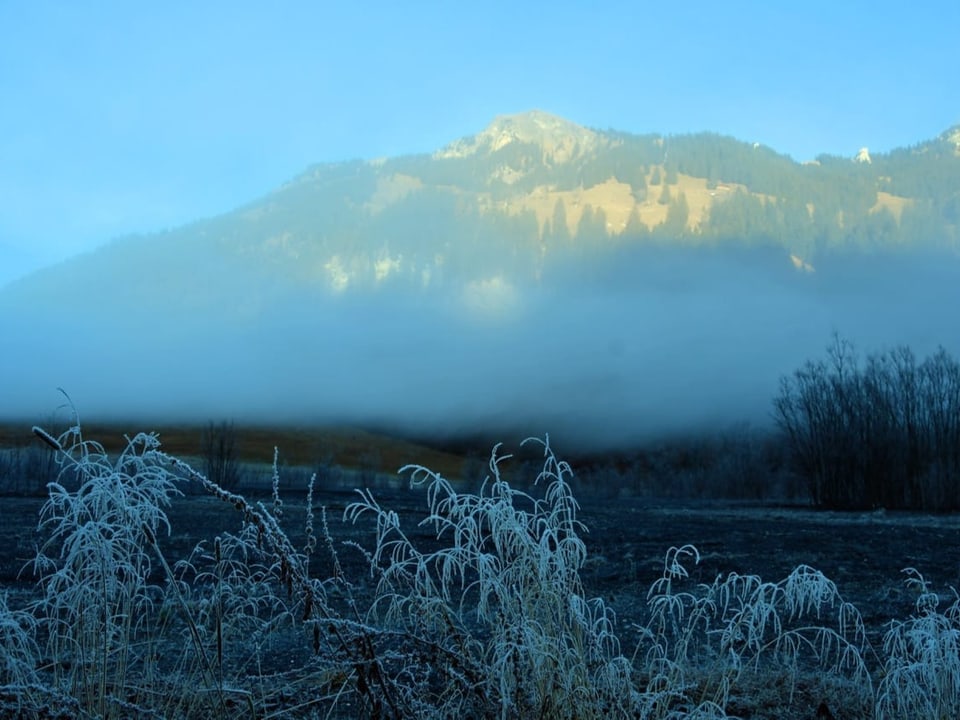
{"type": "Point", "coordinates": [894, 203]}
{"type": "Point", "coordinates": [618, 203]}
{"type": "Point", "coordinates": [616, 199]}
{"type": "Point", "coordinates": [344, 446]}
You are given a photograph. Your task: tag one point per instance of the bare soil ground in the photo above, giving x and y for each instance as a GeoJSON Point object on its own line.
{"type": "Point", "coordinates": [863, 553]}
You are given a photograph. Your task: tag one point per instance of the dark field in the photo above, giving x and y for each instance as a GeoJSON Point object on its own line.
{"type": "Point", "coordinates": [863, 553]}
{"type": "Point", "coordinates": [627, 539]}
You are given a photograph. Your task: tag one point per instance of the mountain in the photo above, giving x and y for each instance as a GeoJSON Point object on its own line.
{"type": "Point", "coordinates": [508, 236]}
{"type": "Point", "coordinates": [510, 204]}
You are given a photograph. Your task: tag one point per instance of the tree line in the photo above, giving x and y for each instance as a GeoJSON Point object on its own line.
{"type": "Point", "coordinates": [883, 432]}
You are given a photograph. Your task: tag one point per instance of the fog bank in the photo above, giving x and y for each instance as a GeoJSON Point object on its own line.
{"type": "Point", "coordinates": [599, 362]}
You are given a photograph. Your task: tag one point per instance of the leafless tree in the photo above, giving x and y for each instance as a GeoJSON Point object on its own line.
{"type": "Point", "coordinates": [220, 453]}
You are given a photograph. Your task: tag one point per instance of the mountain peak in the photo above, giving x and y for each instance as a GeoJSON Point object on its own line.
{"type": "Point", "coordinates": [952, 135]}
{"type": "Point", "coordinates": [560, 139]}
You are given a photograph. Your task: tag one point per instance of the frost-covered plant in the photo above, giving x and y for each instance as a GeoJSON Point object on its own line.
{"type": "Point", "coordinates": [346, 649]}
{"type": "Point", "coordinates": [495, 621]}
{"type": "Point", "coordinates": [18, 652]}
{"type": "Point", "coordinates": [238, 604]}
{"type": "Point", "coordinates": [700, 641]}
{"type": "Point", "coordinates": [115, 636]}
{"type": "Point", "coordinates": [234, 595]}
{"type": "Point", "coordinates": [921, 674]}
{"type": "Point", "coordinates": [95, 565]}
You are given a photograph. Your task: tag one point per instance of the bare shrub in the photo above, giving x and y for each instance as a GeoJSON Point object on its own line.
{"type": "Point", "coordinates": [26, 470]}
{"type": "Point", "coordinates": [220, 452]}
{"type": "Point", "coordinates": [878, 433]}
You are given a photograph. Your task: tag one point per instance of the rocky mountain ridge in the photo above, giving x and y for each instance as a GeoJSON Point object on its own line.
{"type": "Point", "coordinates": [560, 140]}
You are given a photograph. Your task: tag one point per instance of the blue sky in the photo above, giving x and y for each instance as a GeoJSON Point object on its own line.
{"type": "Point", "coordinates": [122, 117]}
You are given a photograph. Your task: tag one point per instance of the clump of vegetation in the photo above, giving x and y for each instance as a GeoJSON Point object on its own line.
{"type": "Point", "coordinates": [221, 459]}
{"type": "Point", "coordinates": [480, 611]}
{"type": "Point", "coordinates": [496, 619]}
{"type": "Point", "coordinates": [95, 565]}
{"type": "Point", "coordinates": [921, 673]}
{"type": "Point", "coordinates": [884, 433]}
{"type": "Point", "coordinates": [26, 470]}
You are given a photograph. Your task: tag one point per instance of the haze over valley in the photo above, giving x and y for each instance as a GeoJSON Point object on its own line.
{"type": "Point", "coordinates": [539, 276]}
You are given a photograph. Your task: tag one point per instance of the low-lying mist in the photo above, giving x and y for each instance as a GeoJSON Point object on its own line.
{"type": "Point", "coordinates": [600, 359]}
